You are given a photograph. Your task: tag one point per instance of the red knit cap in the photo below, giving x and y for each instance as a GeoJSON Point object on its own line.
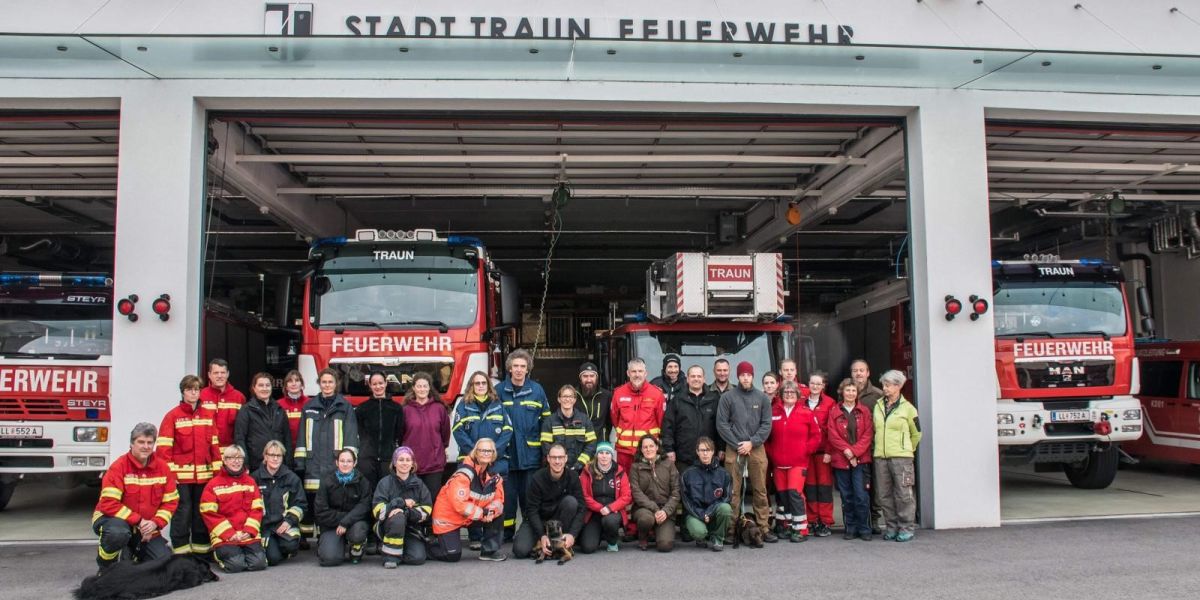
{"type": "Point", "coordinates": [745, 368]}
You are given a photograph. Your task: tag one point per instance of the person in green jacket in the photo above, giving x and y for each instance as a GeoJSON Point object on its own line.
{"type": "Point", "coordinates": [897, 433]}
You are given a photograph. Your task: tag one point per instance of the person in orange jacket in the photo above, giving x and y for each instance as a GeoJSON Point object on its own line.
{"type": "Point", "coordinates": [232, 508]}
{"type": "Point", "coordinates": [222, 399]}
{"type": "Point", "coordinates": [637, 411]}
{"type": "Point", "coordinates": [187, 441]}
{"type": "Point", "coordinates": [818, 486]}
{"type": "Point", "coordinates": [473, 494]}
{"type": "Point", "coordinates": [795, 435]}
{"type": "Point", "coordinates": [137, 499]}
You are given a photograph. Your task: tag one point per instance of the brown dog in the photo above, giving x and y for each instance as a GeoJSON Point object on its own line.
{"type": "Point", "coordinates": [747, 532]}
{"type": "Point", "coordinates": [557, 548]}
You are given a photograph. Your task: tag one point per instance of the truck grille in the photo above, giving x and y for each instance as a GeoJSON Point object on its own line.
{"type": "Point", "coordinates": [26, 462]}
{"type": "Point", "coordinates": [1065, 374]}
{"type": "Point", "coordinates": [24, 408]}
{"type": "Point", "coordinates": [42, 443]}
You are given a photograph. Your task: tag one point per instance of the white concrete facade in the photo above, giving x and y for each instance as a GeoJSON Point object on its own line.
{"type": "Point", "coordinates": [161, 191]}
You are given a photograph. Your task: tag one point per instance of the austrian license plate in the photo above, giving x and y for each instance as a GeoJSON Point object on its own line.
{"type": "Point", "coordinates": [21, 432]}
{"type": "Point", "coordinates": [1070, 416]}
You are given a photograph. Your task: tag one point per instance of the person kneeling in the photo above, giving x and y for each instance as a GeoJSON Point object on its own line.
{"type": "Point", "coordinates": [554, 493]}
{"type": "Point", "coordinates": [473, 494]}
{"type": "Point", "coordinates": [284, 504]}
{"type": "Point", "coordinates": [706, 488]}
{"type": "Point", "coordinates": [343, 507]}
{"type": "Point", "coordinates": [232, 510]}
{"type": "Point", "coordinates": [402, 509]}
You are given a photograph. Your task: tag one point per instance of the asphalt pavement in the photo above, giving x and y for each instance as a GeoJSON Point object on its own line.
{"type": "Point", "coordinates": [1145, 558]}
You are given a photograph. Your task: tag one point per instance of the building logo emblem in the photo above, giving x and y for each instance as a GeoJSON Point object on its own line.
{"type": "Point", "coordinates": [292, 19]}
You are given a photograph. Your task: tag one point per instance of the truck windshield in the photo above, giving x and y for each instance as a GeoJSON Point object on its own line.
{"type": "Point", "coordinates": [55, 330]}
{"type": "Point", "coordinates": [428, 289]}
{"type": "Point", "coordinates": [764, 349]}
{"type": "Point", "coordinates": [1059, 308]}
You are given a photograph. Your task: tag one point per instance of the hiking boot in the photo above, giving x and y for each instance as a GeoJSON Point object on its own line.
{"type": "Point", "coordinates": [701, 543]}
{"type": "Point", "coordinates": [889, 535]}
{"type": "Point", "coordinates": [904, 536]}
{"type": "Point", "coordinates": [796, 538]}
{"type": "Point", "coordinates": [716, 546]}
{"type": "Point", "coordinates": [493, 556]}
{"type": "Point", "coordinates": [849, 535]}
{"type": "Point", "coordinates": [865, 536]}
{"type": "Point", "coordinates": [823, 530]}
{"type": "Point", "coordinates": [770, 538]}
{"type": "Point", "coordinates": [390, 563]}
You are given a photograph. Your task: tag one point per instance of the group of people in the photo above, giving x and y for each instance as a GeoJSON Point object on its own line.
{"type": "Point", "coordinates": [247, 482]}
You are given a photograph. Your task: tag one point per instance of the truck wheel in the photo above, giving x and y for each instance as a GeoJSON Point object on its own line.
{"type": "Point", "coordinates": [1097, 471]}
{"type": "Point", "coordinates": [6, 491]}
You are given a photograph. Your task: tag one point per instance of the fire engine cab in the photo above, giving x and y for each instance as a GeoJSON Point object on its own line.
{"type": "Point", "coordinates": [55, 353]}
{"type": "Point", "coordinates": [704, 307]}
{"type": "Point", "coordinates": [403, 302]}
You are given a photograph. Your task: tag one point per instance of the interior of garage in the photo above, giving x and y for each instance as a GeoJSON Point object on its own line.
{"type": "Point", "coordinates": [828, 193]}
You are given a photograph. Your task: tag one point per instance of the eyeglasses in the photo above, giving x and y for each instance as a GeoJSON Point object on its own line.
{"type": "Point", "coordinates": [563, 457]}
{"type": "Point", "coordinates": [482, 451]}
{"type": "Point", "coordinates": [274, 456]}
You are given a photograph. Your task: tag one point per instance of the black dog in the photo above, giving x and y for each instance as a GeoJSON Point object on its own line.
{"type": "Point", "coordinates": [747, 532]}
{"type": "Point", "coordinates": [129, 581]}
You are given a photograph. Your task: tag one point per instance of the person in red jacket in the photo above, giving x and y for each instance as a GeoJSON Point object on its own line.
{"type": "Point", "coordinates": [637, 411]}
{"type": "Point", "coordinates": [233, 510]}
{"type": "Point", "coordinates": [222, 399]}
{"type": "Point", "coordinates": [607, 494]}
{"type": "Point", "coordinates": [818, 486]}
{"type": "Point", "coordinates": [795, 435]}
{"type": "Point", "coordinates": [187, 441]}
{"type": "Point", "coordinates": [292, 402]}
{"type": "Point", "coordinates": [137, 499]}
{"type": "Point", "coordinates": [849, 432]}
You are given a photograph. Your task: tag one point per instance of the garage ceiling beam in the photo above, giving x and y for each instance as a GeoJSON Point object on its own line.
{"type": "Point", "coordinates": [553, 147]}
{"type": "Point", "coordinates": [571, 171]}
{"type": "Point", "coordinates": [732, 159]}
{"type": "Point", "coordinates": [50, 161]}
{"type": "Point", "coordinates": [1091, 166]}
{"type": "Point", "coordinates": [107, 147]}
{"type": "Point", "coordinates": [550, 181]}
{"type": "Point", "coordinates": [1090, 196]}
{"type": "Point", "coordinates": [1093, 143]}
{"type": "Point", "coordinates": [58, 193]}
{"type": "Point", "coordinates": [477, 191]}
{"type": "Point", "coordinates": [310, 132]}
{"type": "Point", "coordinates": [259, 182]}
{"type": "Point", "coordinates": [882, 162]}
{"type": "Point", "coordinates": [1101, 156]}
{"type": "Point", "coordinates": [22, 134]}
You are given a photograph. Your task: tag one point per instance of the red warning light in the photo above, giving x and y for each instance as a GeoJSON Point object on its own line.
{"type": "Point", "coordinates": [126, 306]}
{"type": "Point", "coordinates": [162, 307]}
{"type": "Point", "coordinates": [953, 307]}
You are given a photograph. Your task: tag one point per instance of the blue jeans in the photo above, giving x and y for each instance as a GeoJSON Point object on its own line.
{"type": "Point", "coordinates": [856, 502]}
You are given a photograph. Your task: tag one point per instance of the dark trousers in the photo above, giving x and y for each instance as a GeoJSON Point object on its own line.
{"type": "Point", "coordinates": [447, 547]}
{"type": "Point", "coordinates": [117, 535]}
{"type": "Point", "coordinates": [402, 537]}
{"type": "Point", "coordinates": [308, 526]}
{"type": "Point", "coordinates": [188, 533]}
{"type": "Point", "coordinates": [235, 559]}
{"type": "Point", "coordinates": [856, 502]}
{"type": "Point", "coordinates": [527, 538]}
{"type": "Point", "coordinates": [433, 481]}
{"type": "Point", "coordinates": [600, 527]}
{"type": "Point", "coordinates": [516, 485]}
{"type": "Point", "coordinates": [373, 469]}
{"type": "Point", "coordinates": [331, 547]}
{"type": "Point", "coordinates": [664, 533]}
{"type": "Point", "coordinates": [280, 547]}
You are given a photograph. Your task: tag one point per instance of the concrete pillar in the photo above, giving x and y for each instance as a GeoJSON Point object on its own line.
{"type": "Point", "coordinates": [160, 204]}
{"type": "Point", "coordinates": [953, 360]}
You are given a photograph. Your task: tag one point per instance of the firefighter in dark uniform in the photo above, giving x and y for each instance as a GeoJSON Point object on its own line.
{"type": "Point", "coordinates": [284, 504]}
{"type": "Point", "coordinates": [595, 401]}
{"type": "Point", "coordinates": [570, 428]}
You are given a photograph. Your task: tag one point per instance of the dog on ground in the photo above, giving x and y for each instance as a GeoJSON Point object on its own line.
{"type": "Point", "coordinates": [747, 532]}
{"type": "Point", "coordinates": [127, 580]}
{"type": "Point", "coordinates": [557, 548]}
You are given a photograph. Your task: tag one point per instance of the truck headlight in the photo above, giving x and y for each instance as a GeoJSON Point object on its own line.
{"type": "Point", "coordinates": [91, 434]}
{"type": "Point", "coordinates": [1007, 432]}
{"type": "Point", "coordinates": [1004, 419]}
{"type": "Point", "coordinates": [1133, 414]}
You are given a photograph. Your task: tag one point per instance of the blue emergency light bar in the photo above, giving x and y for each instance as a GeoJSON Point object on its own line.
{"type": "Point", "coordinates": [54, 279]}
{"type": "Point", "coordinates": [329, 241]}
{"type": "Point", "coordinates": [463, 240]}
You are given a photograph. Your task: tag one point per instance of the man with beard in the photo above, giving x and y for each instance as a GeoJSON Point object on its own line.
{"type": "Point", "coordinates": [595, 400]}
{"type": "Point", "coordinates": [671, 381]}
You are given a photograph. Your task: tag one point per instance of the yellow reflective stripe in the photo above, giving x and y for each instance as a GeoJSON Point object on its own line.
{"type": "Point", "coordinates": [228, 406]}
{"type": "Point", "coordinates": [112, 492]}
{"type": "Point", "coordinates": [201, 548]}
{"type": "Point", "coordinates": [547, 437]}
{"type": "Point", "coordinates": [378, 509]}
{"type": "Point", "coordinates": [135, 480]}
{"type": "Point", "coordinates": [169, 496]}
{"type": "Point", "coordinates": [300, 453]}
{"type": "Point", "coordinates": [496, 417]}
{"type": "Point", "coordinates": [222, 527]}
{"type": "Point", "coordinates": [236, 488]}
{"type": "Point", "coordinates": [124, 513]}
{"type": "Point", "coordinates": [531, 403]}
{"type": "Point", "coordinates": [506, 428]}
{"type": "Point", "coordinates": [337, 434]}
{"type": "Point", "coordinates": [589, 436]}
{"type": "Point", "coordinates": [208, 507]}
{"type": "Point", "coordinates": [627, 443]}
{"type": "Point", "coordinates": [295, 511]}
{"type": "Point", "coordinates": [252, 522]}
{"type": "Point", "coordinates": [510, 522]}
{"type": "Point", "coordinates": [655, 431]}
{"type": "Point", "coordinates": [393, 541]}
{"type": "Point", "coordinates": [96, 516]}
{"type": "Point", "coordinates": [165, 442]}
{"type": "Point", "coordinates": [164, 515]}
{"type": "Point", "coordinates": [584, 458]}
{"type": "Point", "coordinates": [312, 484]}
{"type": "Point", "coordinates": [182, 549]}
{"type": "Point", "coordinates": [109, 555]}
{"type": "Point", "coordinates": [256, 503]}
{"type": "Point", "coordinates": [533, 443]}
{"type": "Point", "coordinates": [425, 507]}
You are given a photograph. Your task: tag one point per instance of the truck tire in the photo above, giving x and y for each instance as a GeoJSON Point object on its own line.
{"type": "Point", "coordinates": [6, 492]}
{"type": "Point", "coordinates": [1097, 472]}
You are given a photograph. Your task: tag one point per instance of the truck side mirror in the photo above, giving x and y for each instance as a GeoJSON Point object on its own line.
{"type": "Point", "coordinates": [510, 301]}
{"type": "Point", "coordinates": [1148, 326]}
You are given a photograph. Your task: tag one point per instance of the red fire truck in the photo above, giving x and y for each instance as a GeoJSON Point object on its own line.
{"type": "Point", "coordinates": [402, 302]}
{"type": "Point", "coordinates": [704, 307]}
{"type": "Point", "coordinates": [55, 353]}
{"type": "Point", "coordinates": [1065, 366]}
{"type": "Point", "coordinates": [1170, 395]}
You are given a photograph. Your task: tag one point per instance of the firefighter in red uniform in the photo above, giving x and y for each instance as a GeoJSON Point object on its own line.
{"type": "Point", "coordinates": [637, 411]}
{"type": "Point", "coordinates": [292, 402]}
{"type": "Point", "coordinates": [137, 498]}
{"type": "Point", "coordinates": [795, 435]}
{"type": "Point", "coordinates": [789, 372]}
{"type": "Point", "coordinates": [222, 399]}
{"type": "Point", "coordinates": [818, 486]}
{"type": "Point", "coordinates": [233, 510]}
{"type": "Point", "coordinates": [188, 443]}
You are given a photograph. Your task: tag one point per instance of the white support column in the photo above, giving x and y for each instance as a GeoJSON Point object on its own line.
{"type": "Point", "coordinates": [160, 204]}
{"type": "Point", "coordinates": [953, 360]}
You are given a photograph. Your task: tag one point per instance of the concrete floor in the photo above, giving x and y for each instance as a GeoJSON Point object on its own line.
{"type": "Point", "coordinates": [42, 511]}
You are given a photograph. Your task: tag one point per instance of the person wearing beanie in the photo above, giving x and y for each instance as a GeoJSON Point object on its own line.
{"type": "Point", "coordinates": [594, 400]}
{"type": "Point", "coordinates": [606, 494]}
{"type": "Point", "coordinates": [744, 423]}
{"type": "Point", "coordinates": [671, 381]}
